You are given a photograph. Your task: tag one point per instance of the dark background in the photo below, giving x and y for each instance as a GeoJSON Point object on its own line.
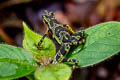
{"type": "Point", "coordinates": [77, 13]}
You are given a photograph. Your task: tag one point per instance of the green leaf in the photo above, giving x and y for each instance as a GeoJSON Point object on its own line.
{"type": "Point", "coordinates": [15, 62]}
{"type": "Point", "coordinates": [102, 42]}
{"type": "Point", "coordinates": [31, 76]}
{"type": "Point", "coordinates": [53, 72]}
{"type": "Point", "coordinates": [30, 42]}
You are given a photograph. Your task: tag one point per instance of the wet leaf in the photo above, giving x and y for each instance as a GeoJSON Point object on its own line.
{"type": "Point", "coordinates": [53, 72]}
{"type": "Point", "coordinates": [30, 42]}
{"type": "Point", "coordinates": [102, 42]}
{"type": "Point", "coordinates": [15, 62]}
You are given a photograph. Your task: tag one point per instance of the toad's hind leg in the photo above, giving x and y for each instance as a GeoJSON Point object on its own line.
{"type": "Point", "coordinates": [71, 60]}
{"type": "Point", "coordinates": [63, 52]}
{"type": "Point", "coordinates": [78, 38]}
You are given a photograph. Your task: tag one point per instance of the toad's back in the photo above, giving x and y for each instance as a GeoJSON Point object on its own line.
{"type": "Point", "coordinates": [60, 33]}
